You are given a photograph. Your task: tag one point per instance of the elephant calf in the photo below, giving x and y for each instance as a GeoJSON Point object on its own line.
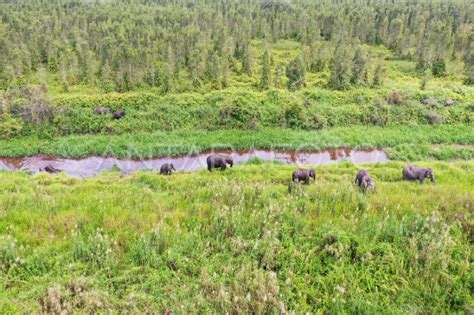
{"type": "Point", "coordinates": [167, 169]}
{"type": "Point", "coordinates": [364, 181]}
{"type": "Point", "coordinates": [413, 172]}
{"type": "Point", "coordinates": [101, 110]}
{"type": "Point", "coordinates": [219, 161]}
{"type": "Point", "coordinates": [50, 169]}
{"type": "Point", "coordinates": [118, 114]}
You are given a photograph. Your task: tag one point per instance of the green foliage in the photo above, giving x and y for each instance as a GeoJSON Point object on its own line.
{"type": "Point", "coordinates": [195, 141]}
{"type": "Point", "coordinates": [10, 127]}
{"type": "Point", "coordinates": [177, 46]}
{"type": "Point", "coordinates": [469, 66]}
{"type": "Point", "coordinates": [416, 152]}
{"type": "Point", "coordinates": [266, 70]}
{"type": "Point", "coordinates": [439, 68]}
{"type": "Point", "coordinates": [360, 72]}
{"type": "Point", "coordinates": [237, 242]}
{"type": "Point", "coordinates": [341, 67]}
{"type": "Point", "coordinates": [378, 76]}
{"type": "Point", "coordinates": [230, 109]}
{"type": "Point", "coordinates": [295, 73]}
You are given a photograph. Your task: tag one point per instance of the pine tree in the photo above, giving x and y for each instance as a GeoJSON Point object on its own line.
{"type": "Point", "coordinates": [360, 68]}
{"type": "Point", "coordinates": [167, 78]}
{"type": "Point", "coordinates": [469, 66]}
{"type": "Point", "coordinates": [424, 81]}
{"type": "Point", "coordinates": [277, 76]}
{"type": "Point", "coordinates": [247, 63]}
{"type": "Point", "coordinates": [438, 68]}
{"type": "Point", "coordinates": [378, 76]}
{"type": "Point", "coordinates": [266, 70]}
{"type": "Point", "coordinates": [341, 67]}
{"type": "Point", "coordinates": [295, 74]}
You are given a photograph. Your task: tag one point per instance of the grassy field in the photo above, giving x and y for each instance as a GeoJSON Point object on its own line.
{"type": "Point", "coordinates": [402, 143]}
{"type": "Point", "coordinates": [238, 242]}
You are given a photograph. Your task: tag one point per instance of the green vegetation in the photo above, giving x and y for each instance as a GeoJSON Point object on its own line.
{"type": "Point", "coordinates": [198, 75]}
{"type": "Point", "coordinates": [238, 242]}
{"type": "Point", "coordinates": [232, 109]}
{"type": "Point", "coordinates": [405, 143]}
{"type": "Point", "coordinates": [174, 66]}
{"type": "Point", "coordinates": [178, 46]}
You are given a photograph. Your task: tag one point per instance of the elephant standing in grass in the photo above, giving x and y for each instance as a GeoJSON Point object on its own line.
{"type": "Point", "coordinates": [364, 181]}
{"type": "Point", "coordinates": [167, 169]}
{"type": "Point", "coordinates": [101, 110]}
{"type": "Point", "coordinates": [302, 175]}
{"type": "Point", "coordinates": [413, 172]}
{"type": "Point", "coordinates": [219, 161]}
{"type": "Point", "coordinates": [118, 114]}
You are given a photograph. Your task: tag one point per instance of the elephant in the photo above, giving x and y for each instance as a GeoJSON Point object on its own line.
{"type": "Point", "coordinates": [101, 110]}
{"type": "Point", "coordinates": [364, 181]}
{"type": "Point", "coordinates": [449, 102]}
{"type": "Point", "coordinates": [429, 101]}
{"type": "Point", "coordinates": [413, 172]}
{"type": "Point", "coordinates": [118, 114]}
{"type": "Point", "coordinates": [167, 169]}
{"type": "Point", "coordinates": [303, 175]}
{"type": "Point", "coordinates": [219, 161]}
{"type": "Point", "coordinates": [360, 175]}
{"type": "Point", "coordinates": [50, 169]}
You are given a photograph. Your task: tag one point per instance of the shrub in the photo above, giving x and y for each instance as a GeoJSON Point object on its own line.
{"type": "Point", "coordinates": [439, 68]}
{"type": "Point", "coordinates": [10, 127]}
{"type": "Point", "coordinates": [435, 118]}
{"type": "Point", "coordinates": [38, 107]}
{"type": "Point", "coordinates": [394, 98]}
{"type": "Point", "coordinates": [294, 116]}
{"type": "Point", "coordinates": [295, 74]}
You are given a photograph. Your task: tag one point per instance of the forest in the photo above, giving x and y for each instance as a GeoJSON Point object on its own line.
{"type": "Point", "coordinates": [182, 45]}
{"type": "Point", "coordinates": [84, 81]}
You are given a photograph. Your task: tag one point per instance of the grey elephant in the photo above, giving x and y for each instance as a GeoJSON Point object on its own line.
{"type": "Point", "coordinates": [50, 169]}
{"type": "Point", "coordinates": [118, 114]}
{"type": "Point", "coordinates": [101, 110]}
{"type": "Point", "coordinates": [303, 175]}
{"type": "Point", "coordinates": [219, 161]}
{"type": "Point", "coordinates": [364, 180]}
{"type": "Point", "coordinates": [413, 172]}
{"type": "Point", "coordinates": [167, 169]}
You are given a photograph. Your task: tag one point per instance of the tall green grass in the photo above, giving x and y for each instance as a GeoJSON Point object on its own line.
{"type": "Point", "coordinates": [237, 241]}
{"type": "Point", "coordinates": [408, 140]}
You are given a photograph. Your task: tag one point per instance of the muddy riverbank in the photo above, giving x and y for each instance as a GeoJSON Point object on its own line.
{"type": "Point", "coordinates": [93, 165]}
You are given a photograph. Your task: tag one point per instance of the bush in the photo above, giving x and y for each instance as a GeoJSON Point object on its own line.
{"type": "Point", "coordinates": [10, 127]}
{"type": "Point", "coordinates": [295, 74]}
{"type": "Point", "coordinates": [439, 68]}
{"type": "Point", "coordinates": [435, 118]}
{"type": "Point", "coordinates": [294, 116]}
{"type": "Point", "coordinates": [394, 98]}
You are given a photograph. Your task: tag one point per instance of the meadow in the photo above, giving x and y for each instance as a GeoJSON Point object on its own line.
{"type": "Point", "coordinates": [443, 142]}
{"type": "Point", "coordinates": [238, 242]}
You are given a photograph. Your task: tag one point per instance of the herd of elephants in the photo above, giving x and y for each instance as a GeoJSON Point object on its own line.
{"type": "Point", "coordinates": [363, 179]}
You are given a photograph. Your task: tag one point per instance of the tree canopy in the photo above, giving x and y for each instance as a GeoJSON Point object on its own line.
{"type": "Point", "coordinates": [123, 45]}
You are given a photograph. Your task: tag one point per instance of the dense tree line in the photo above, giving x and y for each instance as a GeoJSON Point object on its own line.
{"type": "Point", "coordinates": [183, 44]}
